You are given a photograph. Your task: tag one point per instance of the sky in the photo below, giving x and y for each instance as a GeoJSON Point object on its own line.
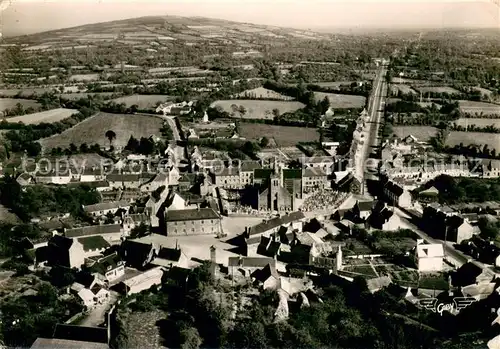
{"type": "Point", "coordinates": [31, 16]}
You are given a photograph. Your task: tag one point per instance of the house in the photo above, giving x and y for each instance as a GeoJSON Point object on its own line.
{"type": "Point", "coordinates": [66, 252]}
{"type": "Point", "coordinates": [109, 268]}
{"type": "Point", "coordinates": [134, 220]}
{"type": "Point", "coordinates": [268, 277]}
{"type": "Point", "coordinates": [175, 201]}
{"type": "Point", "coordinates": [246, 266]}
{"type": "Point", "coordinates": [52, 177]}
{"type": "Point", "coordinates": [93, 174]}
{"type": "Point", "coordinates": [470, 274]}
{"type": "Point", "coordinates": [171, 257]}
{"type": "Point", "coordinates": [444, 223]}
{"type": "Point", "coordinates": [24, 179]}
{"type": "Point", "coordinates": [199, 221]}
{"type": "Point", "coordinates": [51, 343]}
{"type": "Point", "coordinates": [384, 218]}
{"type": "Point", "coordinates": [160, 180]}
{"type": "Point", "coordinates": [90, 297]}
{"type": "Point", "coordinates": [324, 163]}
{"type": "Point", "coordinates": [122, 180]}
{"type": "Point", "coordinates": [490, 168]}
{"type": "Point", "coordinates": [110, 232]}
{"type": "Point", "coordinates": [362, 209]}
{"type": "Point", "coordinates": [247, 168]}
{"type": "Point", "coordinates": [228, 178]}
{"type": "Point", "coordinates": [314, 178]}
{"type": "Point", "coordinates": [103, 208]}
{"type": "Point", "coordinates": [378, 283]}
{"type": "Point", "coordinates": [93, 245]}
{"type": "Point", "coordinates": [137, 254]}
{"type": "Point", "coordinates": [143, 281]}
{"type": "Point", "coordinates": [187, 181]}
{"type": "Point", "coordinates": [154, 203]}
{"type": "Point", "coordinates": [267, 227]}
{"type": "Point", "coordinates": [76, 334]}
{"type": "Point", "coordinates": [429, 257]}
{"type": "Point", "coordinates": [397, 195]}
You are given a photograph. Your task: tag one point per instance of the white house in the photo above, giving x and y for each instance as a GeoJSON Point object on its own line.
{"type": "Point", "coordinates": [143, 281]}
{"type": "Point", "coordinates": [429, 257]}
{"type": "Point", "coordinates": [102, 209]}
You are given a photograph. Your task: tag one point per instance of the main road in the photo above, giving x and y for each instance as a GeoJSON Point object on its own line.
{"type": "Point", "coordinates": [376, 104]}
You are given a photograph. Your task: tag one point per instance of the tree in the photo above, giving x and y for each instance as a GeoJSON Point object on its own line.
{"type": "Point", "coordinates": [132, 144]}
{"type": "Point", "coordinates": [110, 135]}
{"type": "Point", "coordinates": [276, 113]}
{"type": "Point", "coordinates": [33, 148]}
{"type": "Point", "coordinates": [242, 110]}
{"type": "Point", "coordinates": [264, 142]}
{"type": "Point", "coordinates": [84, 148]}
{"type": "Point", "coordinates": [190, 338]}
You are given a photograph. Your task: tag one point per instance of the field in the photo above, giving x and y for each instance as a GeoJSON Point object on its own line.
{"type": "Point", "coordinates": [84, 77]}
{"type": "Point", "coordinates": [264, 93]}
{"type": "Point", "coordinates": [478, 138]}
{"type": "Point", "coordinates": [437, 89]}
{"type": "Point", "coordinates": [76, 96]}
{"type": "Point", "coordinates": [423, 133]}
{"type": "Point", "coordinates": [406, 89]}
{"type": "Point", "coordinates": [480, 122]}
{"type": "Point", "coordinates": [284, 136]}
{"type": "Point", "coordinates": [341, 101]}
{"type": "Point", "coordinates": [143, 101]}
{"type": "Point", "coordinates": [24, 92]}
{"type": "Point", "coordinates": [92, 130]}
{"type": "Point", "coordinates": [48, 116]}
{"type": "Point", "coordinates": [9, 103]}
{"type": "Point", "coordinates": [484, 91]}
{"type": "Point", "coordinates": [479, 107]}
{"type": "Point", "coordinates": [332, 84]}
{"type": "Point", "coordinates": [258, 109]}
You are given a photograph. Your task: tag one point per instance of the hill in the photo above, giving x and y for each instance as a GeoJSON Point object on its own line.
{"type": "Point", "coordinates": [163, 30]}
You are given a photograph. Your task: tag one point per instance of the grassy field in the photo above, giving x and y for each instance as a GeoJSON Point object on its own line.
{"type": "Point", "coordinates": [484, 91]}
{"type": "Point", "coordinates": [258, 109]}
{"type": "Point", "coordinates": [332, 84]}
{"type": "Point", "coordinates": [143, 101]}
{"type": "Point", "coordinates": [406, 89]}
{"type": "Point", "coordinates": [284, 136]}
{"type": "Point", "coordinates": [398, 80]}
{"type": "Point", "coordinates": [264, 93]}
{"type": "Point", "coordinates": [479, 107]}
{"type": "Point", "coordinates": [92, 130]}
{"type": "Point", "coordinates": [84, 77]}
{"type": "Point", "coordinates": [341, 101]}
{"type": "Point", "coordinates": [423, 133]}
{"type": "Point", "coordinates": [9, 103]}
{"type": "Point", "coordinates": [437, 89]}
{"type": "Point", "coordinates": [48, 116]}
{"type": "Point", "coordinates": [76, 96]}
{"type": "Point", "coordinates": [480, 122]}
{"type": "Point", "coordinates": [479, 138]}
{"type": "Point", "coordinates": [24, 92]}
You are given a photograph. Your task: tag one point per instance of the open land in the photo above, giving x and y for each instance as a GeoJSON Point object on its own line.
{"type": "Point", "coordinates": [76, 96]}
{"type": "Point", "coordinates": [424, 133]}
{"type": "Point", "coordinates": [480, 122]}
{"type": "Point", "coordinates": [341, 101]}
{"type": "Point", "coordinates": [84, 77]}
{"type": "Point", "coordinates": [332, 84]}
{"type": "Point", "coordinates": [9, 103]}
{"type": "Point", "coordinates": [47, 116]}
{"type": "Point", "coordinates": [264, 93]}
{"type": "Point", "coordinates": [406, 89]}
{"type": "Point", "coordinates": [258, 109]}
{"type": "Point", "coordinates": [437, 89]}
{"type": "Point", "coordinates": [284, 136]}
{"type": "Point", "coordinates": [92, 130]}
{"type": "Point", "coordinates": [143, 101]}
{"type": "Point", "coordinates": [473, 107]}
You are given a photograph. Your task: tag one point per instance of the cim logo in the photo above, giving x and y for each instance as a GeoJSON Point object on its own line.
{"type": "Point", "coordinates": [457, 304]}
